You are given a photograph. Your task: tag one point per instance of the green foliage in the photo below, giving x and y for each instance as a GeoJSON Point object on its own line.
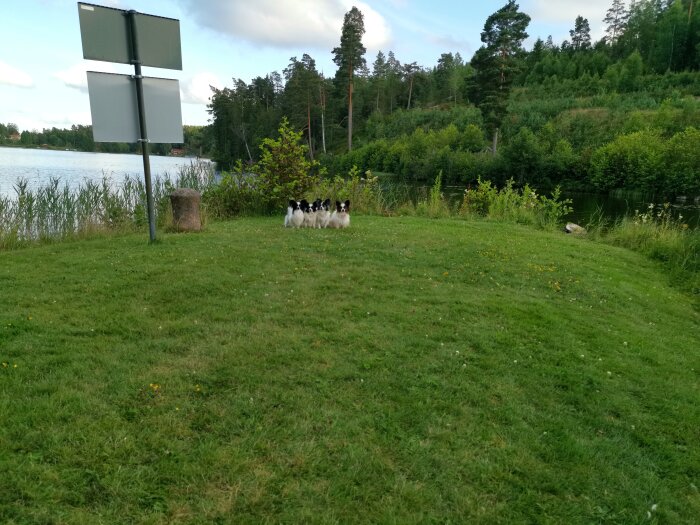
{"type": "Point", "coordinates": [236, 193]}
{"type": "Point", "coordinates": [496, 63]}
{"type": "Point", "coordinates": [523, 156]}
{"type": "Point", "coordinates": [510, 204]}
{"type": "Point", "coordinates": [284, 170]}
{"type": "Point", "coordinates": [631, 72]}
{"type": "Point", "coordinates": [681, 161]}
{"type": "Point", "coordinates": [630, 161]}
{"type": "Point", "coordinates": [435, 206]}
{"type": "Point", "coordinates": [660, 234]}
{"type": "Point", "coordinates": [364, 192]}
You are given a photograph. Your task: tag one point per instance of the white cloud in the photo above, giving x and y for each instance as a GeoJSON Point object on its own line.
{"type": "Point", "coordinates": [566, 11]}
{"type": "Point", "coordinates": [291, 23]}
{"type": "Point", "coordinates": [75, 76]}
{"type": "Point", "coordinates": [197, 90]}
{"type": "Point", "coordinates": [14, 77]}
{"type": "Point", "coordinates": [30, 121]}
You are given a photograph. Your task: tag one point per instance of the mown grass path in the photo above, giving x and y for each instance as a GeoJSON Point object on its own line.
{"type": "Point", "coordinates": [404, 370]}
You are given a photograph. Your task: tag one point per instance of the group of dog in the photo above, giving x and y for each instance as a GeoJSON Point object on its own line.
{"type": "Point", "coordinates": [317, 214]}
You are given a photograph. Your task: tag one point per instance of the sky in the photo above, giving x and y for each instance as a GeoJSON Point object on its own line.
{"type": "Point", "coordinates": [43, 83]}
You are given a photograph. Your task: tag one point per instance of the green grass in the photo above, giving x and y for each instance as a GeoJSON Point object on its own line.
{"type": "Point", "coordinates": [405, 370]}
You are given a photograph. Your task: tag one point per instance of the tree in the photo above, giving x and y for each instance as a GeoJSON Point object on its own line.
{"type": "Point", "coordinates": [670, 51]}
{"type": "Point", "coordinates": [640, 29]}
{"type": "Point", "coordinates": [615, 18]}
{"type": "Point", "coordinates": [379, 76]}
{"type": "Point", "coordinates": [349, 56]}
{"type": "Point", "coordinates": [283, 169]}
{"type": "Point", "coordinates": [409, 71]}
{"type": "Point", "coordinates": [394, 74]}
{"type": "Point", "coordinates": [580, 34]}
{"type": "Point", "coordinates": [447, 75]}
{"type": "Point", "coordinates": [301, 92]}
{"type": "Point", "coordinates": [496, 64]}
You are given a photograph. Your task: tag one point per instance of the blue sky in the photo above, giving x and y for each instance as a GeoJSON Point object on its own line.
{"type": "Point", "coordinates": [42, 72]}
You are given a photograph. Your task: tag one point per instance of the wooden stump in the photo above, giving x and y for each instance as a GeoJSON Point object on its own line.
{"type": "Point", "coordinates": [186, 216]}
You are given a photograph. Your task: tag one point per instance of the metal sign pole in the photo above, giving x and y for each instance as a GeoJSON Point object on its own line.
{"type": "Point", "coordinates": [136, 60]}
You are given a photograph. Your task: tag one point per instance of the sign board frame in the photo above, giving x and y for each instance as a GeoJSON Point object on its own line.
{"type": "Point", "coordinates": [106, 36]}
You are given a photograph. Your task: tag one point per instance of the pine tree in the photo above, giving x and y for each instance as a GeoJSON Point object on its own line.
{"type": "Point", "coordinates": [497, 64]}
{"type": "Point", "coordinates": [349, 56]}
{"type": "Point", "coordinates": [580, 34]}
{"type": "Point", "coordinates": [615, 18]}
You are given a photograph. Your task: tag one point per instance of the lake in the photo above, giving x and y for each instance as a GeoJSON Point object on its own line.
{"type": "Point", "coordinates": [38, 166]}
{"type": "Point", "coordinates": [73, 168]}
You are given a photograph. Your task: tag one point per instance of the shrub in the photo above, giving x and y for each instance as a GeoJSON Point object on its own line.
{"type": "Point", "coordinates": [682, 161]}
{"type": "Point", "coordinates": [435, 206]}
{"type": "Point", "coordinates": [284, 170]}
{"type": "Point", "coordinates": [631, 161]}
{"type": "Point", "coordinates": [364, 193]}
{"type": "Point", "coordinates": [510, 204]}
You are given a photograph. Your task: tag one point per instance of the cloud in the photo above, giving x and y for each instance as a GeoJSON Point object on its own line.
{"type": "Point", "coordinates": [197, 90]}
{"type": "Point", "coordinates": [75, 77]}
{"type": "Point", "coordinates": [29, 121]}
{"type": "Point", "coordinates": [12, 76]}
{"type": "Point", "coordinates": [563, 11]}
{"type": "Point", "coordinates": [292, 23]}
{"type": "Point", "coordinates": [568, 10]}
{"type": "Point", "coordinates": [450, 43]}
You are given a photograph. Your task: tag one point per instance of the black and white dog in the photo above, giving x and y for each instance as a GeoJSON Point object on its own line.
{"type": "Point", "coordinates": [295, 215]}
{"type": "Point", "coordinates": [309, 214]}
{"type": "Point", "coordinates": [341, 216]}
{"type": "Point", "coordinates": [323, 213]}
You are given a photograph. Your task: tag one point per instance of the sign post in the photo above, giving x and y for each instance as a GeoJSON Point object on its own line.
{"type": "Point", "coordinates": [136, 60]}
{"type": "Point", "coordinates": [112, 35]}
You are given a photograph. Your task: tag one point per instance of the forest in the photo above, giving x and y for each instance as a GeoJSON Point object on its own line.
{"type": "Point", "coordinates": [619, 113]}
{"type": "Point", "coordinates": [79, 138]}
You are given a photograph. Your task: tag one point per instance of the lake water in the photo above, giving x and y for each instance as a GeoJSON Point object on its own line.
{"type": "Point", "coordinates": [73, 168]}
{"type": "Point", "coordinates": [38, 166]}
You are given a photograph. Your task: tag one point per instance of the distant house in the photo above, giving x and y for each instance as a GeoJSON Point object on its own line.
{"type": "Point", "coordinates": [177, 152]}
{"type": "Point", "coordinates": [15, 137]}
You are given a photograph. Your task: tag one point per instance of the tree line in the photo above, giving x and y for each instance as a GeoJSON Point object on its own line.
{"type": "Point", "coordinates": [647, 61]}
{"type": "Point", "coordinates": [79, 138]}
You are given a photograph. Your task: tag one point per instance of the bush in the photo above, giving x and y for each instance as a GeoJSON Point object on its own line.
{"type": "Point", "coordinates": [510, 204]}
{"type": "Point", "coordinates": [364, 193]}
{"type": "Point", "coordinates": [682, 161]}
{"type": "Point", "coordinates": [284, 170]}
{"type": "Point", "coordinates": [632, 161]}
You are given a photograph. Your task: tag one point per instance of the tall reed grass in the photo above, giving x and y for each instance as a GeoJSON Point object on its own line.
{"type": "Point", "coordinates": [659, 234]}
{"type": "Point", "coordinates": [55, 211]}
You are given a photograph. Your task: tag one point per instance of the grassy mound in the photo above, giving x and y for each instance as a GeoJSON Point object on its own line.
{"type": "Point", "coordinates": [405, 370]}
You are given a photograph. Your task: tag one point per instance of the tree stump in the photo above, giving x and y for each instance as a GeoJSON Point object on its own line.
{"type": "Point", "coordinates": [186, 217]}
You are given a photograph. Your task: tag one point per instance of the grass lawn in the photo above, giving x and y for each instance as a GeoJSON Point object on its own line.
{"type": "Point", "coordinates": [405, 370]}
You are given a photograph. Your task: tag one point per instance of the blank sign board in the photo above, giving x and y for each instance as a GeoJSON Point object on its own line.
{"type": "Point", "coordinates": [114, 108]}
{"type": "Point", "coordinates": [106, 36]}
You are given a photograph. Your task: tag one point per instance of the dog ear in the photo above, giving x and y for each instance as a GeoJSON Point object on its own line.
{"type": "Point", "coordinates": [337, 205]}
{"type": "Point", "coordinates": [292, 203]}
{"type": "Point", "coordinates": [327, 202]}
{"type": "Point", "coordinates": [347, 205]}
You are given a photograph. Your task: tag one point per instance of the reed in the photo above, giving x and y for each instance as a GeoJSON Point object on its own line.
{"type": "Point", "coordinates": [54, 211]}
{"type": "Point", "coordinates": [661, 235]}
